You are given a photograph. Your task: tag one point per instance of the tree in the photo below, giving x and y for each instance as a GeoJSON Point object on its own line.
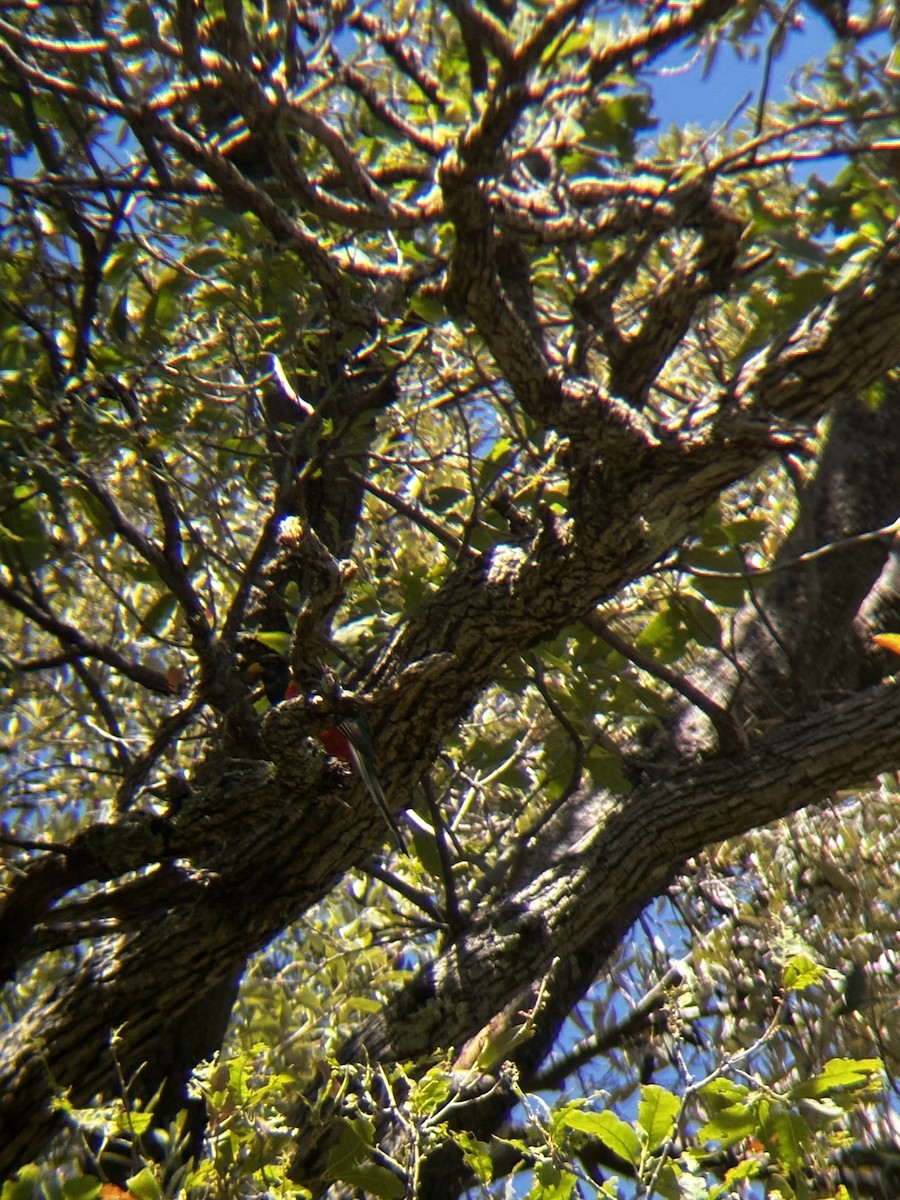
{"type": "Point", "coordinates": [404, 350]}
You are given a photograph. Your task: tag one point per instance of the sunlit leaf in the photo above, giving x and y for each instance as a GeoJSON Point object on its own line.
{"type": "Point", "coordinates": [617, 1135]}
{"type": "Point", "coordinates": [657, 1111]}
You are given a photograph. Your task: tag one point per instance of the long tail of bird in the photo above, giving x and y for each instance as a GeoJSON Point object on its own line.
{"type": "Point", "coordinates": [364, 761]}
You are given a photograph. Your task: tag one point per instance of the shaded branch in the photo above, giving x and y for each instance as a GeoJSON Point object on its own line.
{"type": "Point", "coordinates": [585, 881]}
{"type": "Point", "coordinates": [632, 1026]}
{"type": "Point", "coordinates": [631, 847]}
{"type": "Point", "coordinates": [81, 644]}
{"type": "Point", "coordinates": [731, 736]}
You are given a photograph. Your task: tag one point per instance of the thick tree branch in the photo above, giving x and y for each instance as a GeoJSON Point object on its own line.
{"type": "Point", "coordinates": [256, 841]}
{"type": "Point", "coordinates": [622, 847]}
{"type": "Point", "coordinates": [486, 611]}
{"type": "Point", "coordinates": [820, 357]}
{"type": "Point", "coordinates": [583, 883]}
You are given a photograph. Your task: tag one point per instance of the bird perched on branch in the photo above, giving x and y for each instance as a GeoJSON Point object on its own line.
{"type": "Point", "coordinates": [350, 741]}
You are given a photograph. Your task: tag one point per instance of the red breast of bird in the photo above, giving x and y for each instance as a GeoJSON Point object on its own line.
{"type": "Point", "coordinates": [334, 739]}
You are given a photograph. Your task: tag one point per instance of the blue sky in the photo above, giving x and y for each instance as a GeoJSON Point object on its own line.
{"type": "Point", "coordinates": [684, 97]}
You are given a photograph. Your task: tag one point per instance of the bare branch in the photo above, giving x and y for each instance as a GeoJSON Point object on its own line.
{"type": "Point", "coordinates": [79, 642]}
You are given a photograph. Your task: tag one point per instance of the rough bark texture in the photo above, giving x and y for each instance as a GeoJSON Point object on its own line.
{"type": "Point", "coordinates": [267, 828]}
{"type": "Point", "coordinates": [578, 886]}
{"type": "Point", "coordinates": [608, 863]}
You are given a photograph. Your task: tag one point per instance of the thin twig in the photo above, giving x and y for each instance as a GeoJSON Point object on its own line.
{"type": "Point", "coordinates": [729, 732]}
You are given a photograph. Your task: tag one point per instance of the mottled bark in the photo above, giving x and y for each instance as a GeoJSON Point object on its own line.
{"type": "Point", "coordinates": [628, 510]}
{"type": "Point", "coordinates": [634, 848]}
{"type": "Point", "coordinates": [262, 835]}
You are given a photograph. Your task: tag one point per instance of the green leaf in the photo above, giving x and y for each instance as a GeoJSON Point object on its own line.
{"type": "Point", "coordinates": [363, 1004]}
{"type": "Point", "coordinates": [352, 1146]}
{"type": "Point", "coordinates": [500, 455]}
{"type": "Point", "coordinates": [801, 972]}
{"type": "Point", "coordinates": [120, 265]}
{"type": "Point", "coordinates": [614, 122]}
{"type": "Point", "coordinates": [606, 771]}
{"type": "Point", "coordinates": [144, 1185]}
{"type": "Point", "coordinates": [727, 593]}
{"type": "Point", "coordinates": [133, 1121]}
{"type": "Point", "coordinates": [732, 1112]}
{"type": "Point", "coordinates": [158, 617]}
{"type": "Point", "coordinates": [617, 1135]}
{"type": "Point", "coordinates": [657, 1111]}
{"type": "Point", "coordinates": [162, 307]}
{"type": "Point", "coordinates": [26, 1186]}
{"type": "Point", "coordinates": [700, 621]}
{"type": "Point", "coordinates": [432, 1090]}
{"type": "Point", "coordinates": [95, 512]}
{"type": "Point", "coordinates": [442, 498]}
{"type": "Point", "coordinates": [432, 312]}
{"type": "Point", "coordinates": [749, 1168]}
{"type": "Point", "coordinates": [275, 639]}
{"type": "Point", "coordinates": [22, 527]}
{"type": "Point", "coordinates": [664, 634]}
{"type": "Point", "coordinates": [81, 1187]}
{"type": "Point", "coordinates": [552, 1183]}
{"type": "Point", "coordinates": [744, 530]}
{"type": "Point", "coordinates": [220, 215]}
{"type": "Point", "coordinates": [375, 1181]}
{"type": "Point", "coordinates": [477, 1156]}
{"type": "Point", "coordinates": [852, 1074]}
{"type": "Point", "coordinates": [569, 42]}
{"type": "Point", "coordinates": [787, 1139]}
{"type": "Point", "coordinates": [204, 259]}
{"type": "Point", "coordinates": [721, 1093]}
{"type": "Point", "coordinates": [730, 1125]}
{"type": "Point", "coordinates": [707, 557]}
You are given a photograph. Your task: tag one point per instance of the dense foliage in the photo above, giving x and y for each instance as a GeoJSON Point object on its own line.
{"type": "Point", "coordinates": [410, 352]}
